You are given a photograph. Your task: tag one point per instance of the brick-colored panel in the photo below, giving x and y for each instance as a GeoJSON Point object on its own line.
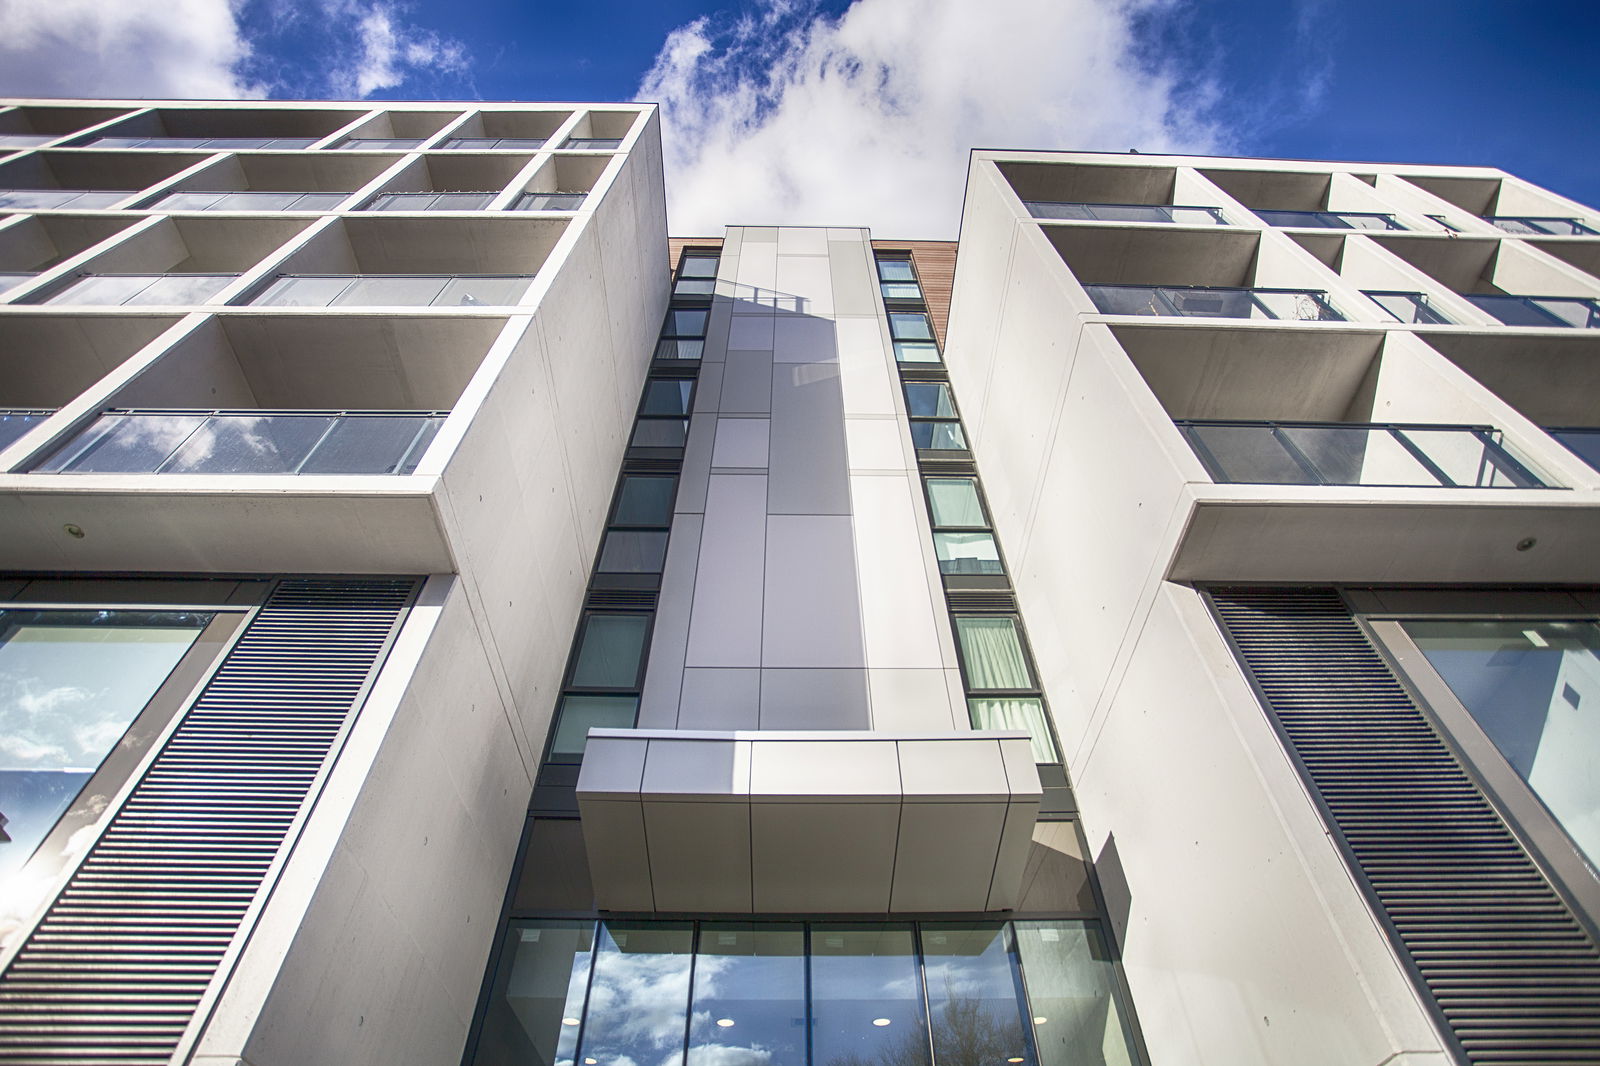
{"type": "Point", "coordinates": [936, 270]}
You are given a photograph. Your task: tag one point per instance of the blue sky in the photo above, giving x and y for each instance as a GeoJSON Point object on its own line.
{"type": "Point", "coordinates": [794, 110]}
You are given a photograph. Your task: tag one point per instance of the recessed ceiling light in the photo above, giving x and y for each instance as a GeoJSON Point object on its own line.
{"type": "Point", "coordinates": [1015, 1058]}
{"type": "Point", "coordinates": [569, 1021]}
{"type": "Point", "coordinates": [1040, 1020]}
{"type": "Point", "coordinates": [591, 1062]}
{"type": "Point", "coordinates": [725, 1022]}
{"type": "Point", "coordinates": [880, 1022]}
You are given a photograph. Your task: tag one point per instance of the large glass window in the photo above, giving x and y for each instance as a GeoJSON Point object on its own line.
{"type": "Point", "coordinates": [772, 993]}
{"type": "Point", "coordinates": [71, 683]}
{"type": "Point", "coordinates": [610, 651]}
{"type": "Point", "coordinates": [1533, 688]}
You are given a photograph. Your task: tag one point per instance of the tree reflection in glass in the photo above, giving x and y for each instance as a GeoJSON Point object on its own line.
{"type": "Point", "coordinates": [639, 998]}
{"type": "Point", "coordinates": [866, 997]}
{"type": "Point", "coordinates": [749, 996]}
{"type": "Point", "coordinates": [975, 996]}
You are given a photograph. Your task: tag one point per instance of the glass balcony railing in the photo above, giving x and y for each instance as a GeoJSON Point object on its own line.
{"type": "Point", "coordinates": [60, 199]}
{"type": "Point", "coordinates": [494, 144]}
{"type": "Point", "coordinates": [1322, 453]}
{"type": "Point", "coordinates": [1571, 312]}
{"type": "Point", "coordinates": [250, 201]}
{"type": "Point", "coordinates": [1582, 441]}
{"type": "Point", "coordinates": [378, 144]}
{"type": "Point", "coordinates": [1330, 219]}
{"type": "Point", "coordinates": [1409, 307]}
{"type": "Point", "coordinates": [124, 290]}
{"type": "Point", "coordinates": [432, 201]}
{"type": "Point", "coordinates": [1540, 226]}
{"type": "Point", "coordinates": [219, 144]}
{"type": "Point", "coordinates": [25, 140]}
{"type": "Point", "coordinates": [15, 421]}
{"type": "Point", "coordinates": [393, 290]}
{"type": "Point", "coordinates": [1180, 214]}
{"type": "Point", "coordinates": [549, 201]}
{"type": "Point", "coordinates": [9, 281]}
{"type": "Point", "coordinates": [593, 144]}
{"type": "Point", "coordinates": [248, 442]}
{"type": "Point", "coordinates": [1293, 305]}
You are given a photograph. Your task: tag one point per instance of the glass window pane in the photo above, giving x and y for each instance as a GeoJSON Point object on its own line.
{"type": "Point", "coordinates": [610, 649]}
{"type": "Point", "coordinates": [1251, 455]}
{"type": "Point", "coordinates": [916, 351]}
{"type": "Point", "coordinates": [625, 552]}
{"type": "Point", "coordinates": [686, 322]}
{"type": "Point", "coordinates": [578, 714]}
{"type": "Point", "coordinates": [537, 1001]}
{"type": "Point", "coordinates": [1128, 300]}
{"type": "Point", "coordinates": [125, 444]}
{"type": "Point", "coordinates": [1076, 1018]}
{"type": "Point", "coordinates": [967, 553]}
{"type": "Point", "coordinates": [645, 501]}
{"type": "Point", "coordinates": [896, 270]}
{"type": "Point", "coordinates": [1067, 212]}
{"type": "Point", "coordinates": [487, 292]}
{"type": "Point", "coordinates": [1533, 687]}
{"type": "Point", "coordinates": [975, 995]}
{"type": "Point", "coordinates": [929, 400]}
{"type": "Point", "coordinates": [550, 201]}
{"type": "Point", "coordinates": [638, 1003]}
{"type": "Point", "coordinates": [1025, 713]}
{"type": "Point", "coordinates": [1357, 456]}
{"type": "Point", "coordinates": [991, 650]}
{"type": "Point", "coordinates": [375, 444]}
{"type": "Point", "coordinates": [659, 433]}
{"type": "Point", "coordinates": [302, 292]}
{"type": "Point", "coordinates": [666, 397]}
{"type": "Point", "coordinates": [1214, 303]}
{"type": "Point", "coordinates": [13, 424]}
{"type": "Point", "coordinates": [698, 266]}
{"type": "Point", "coordinates": [373, 290]}
{"type": "Point", "coordinates": [183, 289]}
{"type": "Point", "coordinates": [249, 444]}
{"type": "Point", "coordinates": [938, 436]}
{"type": "Point", "coordinates": [749, 1004]}
{"type": "Point", "coordinates": [695, 287]}
{"type": "Point", "coordinates": [866, 996]}
{"type": "Point", "coordinates": [910, 326]}
{"type": "Point", "coordinates": [71, 682]}
{"type": "Point", "coordinates": [1468, 459]}
{"type": "Point", "coordinates": [1584, 443]}
{"type": "Point", "coordinates": [954, 502]}
{"type": "Point", "coordinates": [470, 142]}
{"type": "Point", "coordinates": [680, 349]}
{"type": "Point", "coordinates": [900, 290]}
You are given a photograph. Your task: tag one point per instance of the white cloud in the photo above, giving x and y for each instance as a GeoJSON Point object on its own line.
{"type": "Point", "coordinates": [390, 50]}
{"type": "Point", "coordinates": [202, 49]}
{"type": "Point", "coordinates": [792, 116]}
{"type": "Point", "coordinates": [122, 48]}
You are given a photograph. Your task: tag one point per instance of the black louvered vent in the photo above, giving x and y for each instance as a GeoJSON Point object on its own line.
{"type": "Point", "coordinates": [1514, 975]}
{"type": "Point", "coordinates": [651, 466]}
{"type": "Point", "coordinates": [948, 467]}
{"type": "Point", "coordinates": [640, 599]}
{"type": "Point", "coordinates": [980, 600]}
{"type": "Point", "coordinates": [115, 969]}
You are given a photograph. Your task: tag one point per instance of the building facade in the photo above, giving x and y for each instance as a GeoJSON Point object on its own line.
{"type": "Point", "coordinates": [445, 620]}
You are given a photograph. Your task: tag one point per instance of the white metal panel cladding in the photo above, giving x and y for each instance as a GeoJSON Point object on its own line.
{"type": "Point", "coordinates": [1514, 976]}
{"type": "Point", "coordinates": [115, 969]}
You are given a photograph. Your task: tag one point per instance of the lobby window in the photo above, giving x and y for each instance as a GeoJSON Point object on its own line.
{"type": "Point", "coordinates": [822, 993]}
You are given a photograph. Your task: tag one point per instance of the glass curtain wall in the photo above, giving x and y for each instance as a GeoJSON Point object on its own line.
{"type": "Point", "coordinates": [715, 993]}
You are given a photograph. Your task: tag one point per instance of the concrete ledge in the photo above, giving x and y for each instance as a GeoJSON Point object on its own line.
{"type": "Point", "coordinates": [812, 821]}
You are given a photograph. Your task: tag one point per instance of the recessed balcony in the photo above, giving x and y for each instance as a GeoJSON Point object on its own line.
{"type": "Point", "coordinates": [1376, 454]}
{"type": "Point", "coordinates": [1292, 305]}
{"type": "Point", "coordinates": [449, 182]}
{"type": "Point", "coordinates": [33, 244]}
{"type": "Point", "coordinates": [1412, 308]}
{"type": "Point", "coordinates": [34, 124]}
{"type": "Point", "coordinates": [222, 130]}
{"type": "Point", "coordinates": [64, 178]}
{"type": "Point", "coordinates": [392, 290]}
{"type": "Point", "coordinates": [506, 131]}
{"type": "Point", "coordinates": [396, 131]}
{"type": "Point", "coordinates": [140, 290]}
{"type": "Point", "coordinates": [16, 421]}
{"type": "Point", "coordinates": [1582, 441]}
{"type": "Point", "coordinates": [273, 181]}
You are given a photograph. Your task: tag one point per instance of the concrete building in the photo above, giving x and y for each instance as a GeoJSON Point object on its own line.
{"type": "Point", "coordinates": [444, 620]}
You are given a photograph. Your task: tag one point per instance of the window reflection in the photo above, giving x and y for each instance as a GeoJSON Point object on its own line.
{"type": "Point", "coordinates": [1075, 1017]}
{"type": "Point", "coordinates": [866, 997]}
{"type": "Point", "coordinates": [975, 995]}
{"type": "Point", "coordinates": [71, 683]}
{"type": "Point", "coordinates": [639, 997]}
{"type": "Point", "coordinates": [749, 996]}
{"type": "Point", "coordinates": [538, 995]}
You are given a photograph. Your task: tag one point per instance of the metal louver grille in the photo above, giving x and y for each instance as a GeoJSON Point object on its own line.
{"type": "Point", "coordinates": [643, 599]}
{"type": "Point", "coordinates": [651, 466]}
{"type": "Point", "coordinates": [1515, 977]}
{"type": "Point", "coordinates": [980, 600]}
{"type": "Point", "coordinates": [115, 969]}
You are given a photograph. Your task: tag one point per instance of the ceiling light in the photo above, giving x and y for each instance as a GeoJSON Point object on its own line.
{"type": "Point", "coordinates": [1040, 1020]}
{"type": "Point", "coordinates": [725, 1022]}
{"type": "Point", "coordinates": [1015, 1058]}
{"type": "Point", "coordinates": [569, 1021]}
{"type": "Point", "coordinates": [591, 1062]}
{"type": "Point", "coordinates": [880, 1022]}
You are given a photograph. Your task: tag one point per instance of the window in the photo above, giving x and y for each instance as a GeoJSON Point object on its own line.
{"type": "Point", "coordinates": [897, 279]}
{"type": "Point", "coordinates": [935, 425]}
{"type": "Point", "coordinates": [549, 201]}
{"type": "Point", "coordinates": [682, 993]}
{"type": "Point", "coordinates": [610, 651]}
{"type": "Point", "coordinates": [644, 500]}
{"type": "Point", "coordinates": [961, 537]}
{"type": "Point", "coordinates": [912, 332]}
{"type": "Point", "coordinates": [593, 144]}
{"type": "Point", "coordinates": [72, 683]}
